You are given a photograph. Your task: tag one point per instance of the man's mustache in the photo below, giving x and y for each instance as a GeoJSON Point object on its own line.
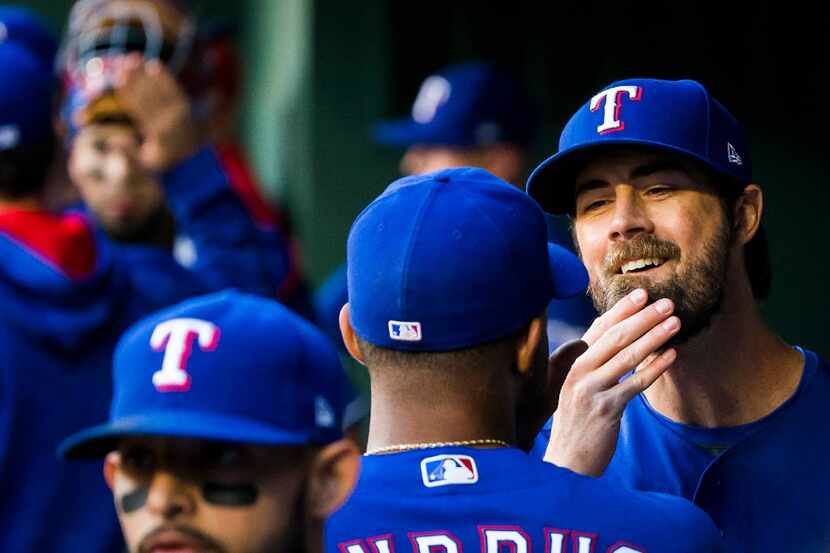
{"type": "Point", "coordinates": [643, 246]}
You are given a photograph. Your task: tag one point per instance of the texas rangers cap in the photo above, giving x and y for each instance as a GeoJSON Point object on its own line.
{"type": "Point", "coordinates": [226, 366]}
{"type": "Point", "coordinates": [466, 105]}
{"type": "Point", "coordinates": [25, 98]}
{"type": "Point", "coordinates": [452, 259]}
{"type": "Point", "coordinates": [676, 116]}
{"type": "Point", "coordinates": [24, 27]}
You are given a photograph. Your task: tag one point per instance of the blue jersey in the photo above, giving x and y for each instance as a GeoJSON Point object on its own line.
{"type": "Point", "coordinates": [456, 499]}
{"type": "Point", "coordinates": [765, 484]}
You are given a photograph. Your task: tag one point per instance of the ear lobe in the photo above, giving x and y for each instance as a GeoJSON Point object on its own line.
{"type": "Point", "coordinates": [349, 335]}
{"type": "Point", "coordinates": [333, 476]}
{"type": "Point", "coordinates": [748, 213]}
{"type": "Point", "coordinates": [111, 463]}
{"type": "Point", "coordinates": [529, 344]}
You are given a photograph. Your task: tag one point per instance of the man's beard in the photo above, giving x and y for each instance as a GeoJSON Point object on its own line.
{"type": "Point", "coordinates": [157, 229]}
{"type": "Point", "coordinates": [695, 289]}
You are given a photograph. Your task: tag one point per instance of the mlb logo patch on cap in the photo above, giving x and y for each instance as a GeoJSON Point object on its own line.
{"type": "Point", "coordinates": [444, 470]}
{"type": "Point", "coordinates": [405, 331]}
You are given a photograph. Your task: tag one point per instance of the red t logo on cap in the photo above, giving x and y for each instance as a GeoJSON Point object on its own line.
{"type": "Point", "coordinates": [176, 338]}
{"type": "Point", "coordinates": [613, 102]}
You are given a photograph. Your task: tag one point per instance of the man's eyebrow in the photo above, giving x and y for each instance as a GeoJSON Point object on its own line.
{"type": "Point", "coordinates": [592, 184]}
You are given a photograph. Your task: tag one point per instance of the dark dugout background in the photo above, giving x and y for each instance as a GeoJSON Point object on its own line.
{"type": "Point", "coordinates": [766, 61]}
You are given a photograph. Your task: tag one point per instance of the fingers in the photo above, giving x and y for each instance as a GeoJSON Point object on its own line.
{"type": "Point", "coordinates": [617, 338]}
{"type": "Point", "coordinates": [645, 376]}
{"type": "Point", "coordinates": [560, 362]}
{"type": "Point", "coordinates": [623, 309]}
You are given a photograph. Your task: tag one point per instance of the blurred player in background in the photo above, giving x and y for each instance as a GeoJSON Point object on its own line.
{"type": "Point", "coordinates": [475, 115]}
{"type": "Point", "coordinates": [64, 301]}
{"type": "Point", "coordinates": [212, 448]}
{"type": "Point", "coordinates": [449, 277]}
{"type": "Point", "coordinates": [657, 176]}
{"type": "Point", "coordinates": [127, 66]}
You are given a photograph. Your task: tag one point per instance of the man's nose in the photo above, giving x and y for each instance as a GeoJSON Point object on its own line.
{"type": "Point", "coordinates": [630, 216]}
{"type": "Point", "coordinates": [168, 496]}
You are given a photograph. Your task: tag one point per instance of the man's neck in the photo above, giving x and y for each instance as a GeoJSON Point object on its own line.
{"type": "Point", "coordinates": [416, 416]}
{"type": "Point", "coordinates": [734, 372]}
{"type": "Point", "coordinates": [27, 204]}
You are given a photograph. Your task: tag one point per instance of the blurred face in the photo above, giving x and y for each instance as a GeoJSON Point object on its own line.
{"type": "Point", "coordinates": [425, 159]}
{"type": "Point", "coordinates": [195, 496]}
{"type": "Point", "coordinates": [104, 166]}
{"type": "Point", "coordinates": [652, 220]}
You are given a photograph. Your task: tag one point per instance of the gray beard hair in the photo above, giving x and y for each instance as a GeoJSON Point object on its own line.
{"type": "Point", "coordinates": [696, 291]}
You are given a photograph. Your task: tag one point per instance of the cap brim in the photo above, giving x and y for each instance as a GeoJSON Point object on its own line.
{"type": "Point", "coordinates": [406, 132]}
{"type": "Point", "coordinates": [99, 440]}
{"type": "Point", "coordinates": [552, 182]}
{"type": "Point", "coordinates": [569, 275]}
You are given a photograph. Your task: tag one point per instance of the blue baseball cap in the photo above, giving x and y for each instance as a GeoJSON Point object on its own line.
{"type": "Point", "coordinates": [452, 259]}
{"type": "Point", "coordinates": [24, 27]}
{"type": "Point", "coordinates": [25, 98]}
{"type": "Point", "coordinates": [467, 105]}
{"type": "Point", "coordinates": [227, 366]}
{"type": "Point", "coordinates": [674, 116]}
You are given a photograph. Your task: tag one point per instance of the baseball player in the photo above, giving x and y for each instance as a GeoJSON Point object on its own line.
{"type": "Point", "coordinates": [449, 276]}
{"type": "Point", "coordinates": [64, 301]}
{"type": "Point", "coordinates": [657, 176]}
{"type": "Point", "coordinates": [224, 432]}
{"type": "Point", "coordinates": [470, 114]}
{"type": "Point", "coordinates": [136, 159]}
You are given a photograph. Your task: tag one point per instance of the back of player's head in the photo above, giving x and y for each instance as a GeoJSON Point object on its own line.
{"type": "Point", "coordinates": [26, 135]}
{"type": "Point", "coordinates": [229, 367]}
{"type": "Point", "coordinates": [452, 261]}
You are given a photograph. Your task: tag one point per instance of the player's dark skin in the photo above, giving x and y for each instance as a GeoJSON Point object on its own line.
{"type": "Point", "coordinates": [485, 404]}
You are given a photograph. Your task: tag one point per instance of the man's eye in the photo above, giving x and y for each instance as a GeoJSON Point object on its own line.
{"type": "Point", "coordinates": [100, 146]}
{"type": "Point", "coordinates": [596, 204]}
{"type": "Point", "coordinates": [658, 190]}
{"type": "Point", "coordinates": [138, 460]}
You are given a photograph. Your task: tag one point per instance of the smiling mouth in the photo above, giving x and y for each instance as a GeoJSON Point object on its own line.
{"type": "Point", "coordinates": [640, 265]}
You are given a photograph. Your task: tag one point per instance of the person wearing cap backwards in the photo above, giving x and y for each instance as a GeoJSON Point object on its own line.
{"type": "Point", "coordinates": [135, 156]}
{"type": "Point", "coordinates": [470, 114]}
{"type": "Point", "coordinates": [449, 276]}
{"type": "Point", "coordinates": [210, 448]}
{"type": "Point", "coordinates": [658, 179]}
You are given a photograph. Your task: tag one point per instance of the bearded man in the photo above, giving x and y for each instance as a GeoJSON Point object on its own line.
{"type": "Point", "coordinates": [657, 178]}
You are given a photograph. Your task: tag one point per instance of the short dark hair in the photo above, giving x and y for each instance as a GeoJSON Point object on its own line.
{"type": "Point", "coordinates": [492, 354]}
{"type": "Point", "coordinates": [23, 169]}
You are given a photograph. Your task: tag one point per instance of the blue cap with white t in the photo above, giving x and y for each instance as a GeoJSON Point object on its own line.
{"type": "Point", "coordinates": [227, 366]}
{"type": "Point", "coordinates": [674, 116]}
{"type": "Point", "coordinates": [453, 259]}
{"type": "Point", "coordinates": [467, 105]}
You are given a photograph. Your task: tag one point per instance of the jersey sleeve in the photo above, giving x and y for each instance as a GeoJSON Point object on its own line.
{"type": "Point", "coordinates": [230, 250]}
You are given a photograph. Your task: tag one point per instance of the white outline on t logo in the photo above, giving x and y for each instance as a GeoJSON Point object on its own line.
{"type": "Point", "coordinates": [176, 338]}
{"type": "Point", "coordinates": [613, 102]}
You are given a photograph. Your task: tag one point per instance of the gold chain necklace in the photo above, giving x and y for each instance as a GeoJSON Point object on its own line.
{"type": "Point", "coordinates": [432, 445]}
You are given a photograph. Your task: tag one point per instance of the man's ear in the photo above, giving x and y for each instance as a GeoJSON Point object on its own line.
{"type": "Point", "coordinates": [529, 343]}
{"type": "Point", "coordinates": [349, 336]}
{"type": "Point", "coordinates": [111, 463]}
{"type": "Point", "coordinates": [333, 476]}
{"type": "Point", "coordinates": [748, 211]}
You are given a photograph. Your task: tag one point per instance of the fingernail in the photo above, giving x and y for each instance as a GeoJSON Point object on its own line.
{"type": "Point", "coordinates": [672, 324]}
{"type": "Point", "coordinates": [638, 295]}
{"type": "Point", "coordinates": [663, 306]}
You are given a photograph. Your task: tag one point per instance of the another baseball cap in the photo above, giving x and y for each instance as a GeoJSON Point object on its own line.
{"type": "Point", "coordinates": [26, 88]}
{"type": "Point", "coordinates": [676, 116]}
{"type": "Point", "coordinates": [467, 105]}
{"type": "Point", "coordinates": [452, 259]}
{"type": "Point", "coordinates": [24, 27]}
{"type": "Point", "coordinates": [227, 366]}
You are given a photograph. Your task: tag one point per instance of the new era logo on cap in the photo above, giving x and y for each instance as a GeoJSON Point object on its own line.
{"type": "Point", "coordinates": [405, 331]}
{"type": "Point", "coordinates": [445, 470]}
{"type": "Point", "coordinates": [732, 154]}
